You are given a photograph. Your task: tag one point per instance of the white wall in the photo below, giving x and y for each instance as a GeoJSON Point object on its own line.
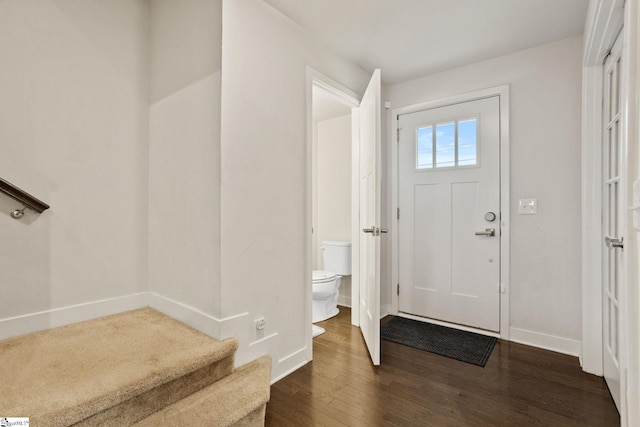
{"type": "Point", "coordinates": [186, 43]}
{"type": "Point", "coordinates": [73, 132]}
{"type": "Point", "coordinates": [545, 123]}
{"type": "Point", "coordinates": [263, 178]}
{"type": "Point", "coordinates": [184, 154]}
{"type": "Point", "coordinates": [130, 160]}
{"type": "Point", "coordinates": [334, 190]}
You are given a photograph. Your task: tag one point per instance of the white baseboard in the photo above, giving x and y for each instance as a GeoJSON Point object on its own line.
{"type": "Point", "coordinates": [253, 343]}
{"type": "Point", "coordinates": [344, 301]}
{"type": "Point", "coordinates": [47, 319]}
{"type": "Point", "coordinates": [62, 316]}
{"type": "Point", "coordinates": [289, 364]}
{"type": "Point", "coordinates": [385, 310]}
{"type": "Point", "coordinates": [548, 342]}
{"type": "Point", "coordinates": [240, 326]}
{"type": "Point", "coordinates": [197, 319]}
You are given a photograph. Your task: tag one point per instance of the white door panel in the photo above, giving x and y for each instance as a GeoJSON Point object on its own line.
{"type": "Point", "coordinates": [464, 259]}
{"type": "Point", "coordinates": [447, 271]}
{"type": "Point", "coordinates": [370, 187]}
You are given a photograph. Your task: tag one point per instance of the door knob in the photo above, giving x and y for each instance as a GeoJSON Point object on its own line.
{"type": "Point", "coordinates": [613, 242]}
{"type": "Point", "coordinates": [490, 232]}
{"type": "Point", "coordinates": [368, 230]}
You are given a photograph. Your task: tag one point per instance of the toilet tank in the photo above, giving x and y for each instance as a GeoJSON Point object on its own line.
{"type": "Point", "coordinates": [336, 256]}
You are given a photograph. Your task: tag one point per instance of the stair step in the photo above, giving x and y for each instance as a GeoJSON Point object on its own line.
{"type": "Point", "coordinates": [109, 371]}
{"type": "Point", "coordinates": [237, 400]}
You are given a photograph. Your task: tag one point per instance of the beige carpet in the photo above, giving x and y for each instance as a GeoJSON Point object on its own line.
{"type": "Point", "coordinates": [63, 376]}
{"type": "Point", "coordinates": [237, 400]}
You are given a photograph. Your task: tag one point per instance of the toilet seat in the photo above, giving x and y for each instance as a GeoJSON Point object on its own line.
{"type": "Point", "coordinates": [322, 276]}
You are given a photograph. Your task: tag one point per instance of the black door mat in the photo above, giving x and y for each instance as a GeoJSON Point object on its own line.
{"type": "Point", "coordinates": [460, 345]}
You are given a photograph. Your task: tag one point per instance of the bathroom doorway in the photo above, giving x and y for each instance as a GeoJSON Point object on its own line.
{"type": "Point", "coordinates": [332, 129]}
{"type": "Point", "coordinates": [331, 178]}
{"type": "Point", "coordinates": [365, 190]}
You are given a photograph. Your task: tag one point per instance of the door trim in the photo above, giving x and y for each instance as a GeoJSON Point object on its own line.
{"type": "Point", "coordinates": [503, 93]}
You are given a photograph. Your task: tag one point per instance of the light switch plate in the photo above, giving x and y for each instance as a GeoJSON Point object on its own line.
{"type": "Point", "coordinates": [527, 207]}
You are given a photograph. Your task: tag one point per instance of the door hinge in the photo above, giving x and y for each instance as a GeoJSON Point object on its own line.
{"type": "Point", "coordinates": [398, 135]}
{"type": "Point", "coordinates": [398, 213]}
{"type": "Point", "coordinates": [398, 289]}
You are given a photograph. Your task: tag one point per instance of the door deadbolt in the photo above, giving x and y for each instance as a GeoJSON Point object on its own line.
{"type": "Point", "coordinates": [490, 216]}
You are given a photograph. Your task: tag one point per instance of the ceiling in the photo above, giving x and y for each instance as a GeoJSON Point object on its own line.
{"type": "Point", "coordinates": [407, 39]}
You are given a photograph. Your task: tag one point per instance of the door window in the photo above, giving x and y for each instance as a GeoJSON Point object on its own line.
{"type": "Point", "coordinates": [453, 144]}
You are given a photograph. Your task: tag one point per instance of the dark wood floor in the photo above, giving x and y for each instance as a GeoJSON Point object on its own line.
{"type": "Point", "coordinates": [520, 386]}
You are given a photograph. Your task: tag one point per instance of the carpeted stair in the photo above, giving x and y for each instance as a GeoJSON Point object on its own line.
{"type": "Point", "coordinates": [240, 396]}
{"type": "Point", "coordinates": [135, 367]}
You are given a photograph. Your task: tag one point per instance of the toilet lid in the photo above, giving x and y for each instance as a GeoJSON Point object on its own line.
{"type": "Point", "coordinates": [321, 276]}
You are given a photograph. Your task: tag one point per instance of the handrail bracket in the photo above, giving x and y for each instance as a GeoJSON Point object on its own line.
{"type": "Point", "coordinates": [27, 200]}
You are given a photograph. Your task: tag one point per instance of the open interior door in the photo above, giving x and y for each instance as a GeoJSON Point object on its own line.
{"type": "Point", "coordinates": [613, 220]}
{"type": "Point", "coordinates": [370, 187]}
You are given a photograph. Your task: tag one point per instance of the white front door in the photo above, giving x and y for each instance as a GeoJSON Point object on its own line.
{"type": "Point", "coordinates": [449, 218]}
{"type": "Point", "coordinates": [613, 221]}
{"type": "Point", "coordinates": [369, 189]}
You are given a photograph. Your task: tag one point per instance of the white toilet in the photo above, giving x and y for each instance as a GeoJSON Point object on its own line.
{"type": "Point", "coordinates": [326, 283]}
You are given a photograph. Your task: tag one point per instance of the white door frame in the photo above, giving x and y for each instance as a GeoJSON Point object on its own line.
{"type": "Point", "coordinates": [352, 99]}
{"type": "Point", "coordinates": [604, 20]}
{"type": "Point", "coordinates": [503, 93]}
{"type": "Point", "coordinates": [603, 25]}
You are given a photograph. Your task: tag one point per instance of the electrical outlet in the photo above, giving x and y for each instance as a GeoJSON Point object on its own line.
{"type": "Point", "coordinates": [260, 323]}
